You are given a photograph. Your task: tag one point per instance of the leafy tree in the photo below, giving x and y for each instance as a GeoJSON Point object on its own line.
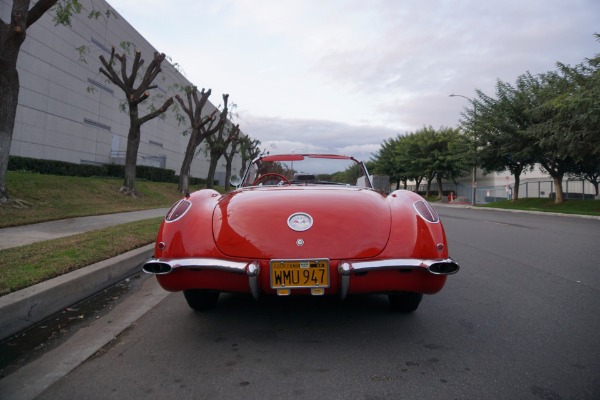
{"type": "Point", "coordinates": [578, 110]}
{"type": "Point", "coordinates": [202, 126]}
{"type": "Point", "coordinates": [554, 147]}
{"type": "Point", "coordinates": [446, 160]}
{"type": "Point", "coordinates": [135, 95]}
{"type": "Point", "coordinates": [388, 161]}
{"type": "Point", "coordinates": [349, 176]}
{"type": "Point", "coordinates": [12, 36]}
{"type": "Point", "coordinates": [589, 170]}
{"type": "Point", "coordinates": [498, 130]}
{"type": "Point", "coordinates": [413, 155]}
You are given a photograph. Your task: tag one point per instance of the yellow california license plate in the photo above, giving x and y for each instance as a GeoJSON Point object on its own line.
{"type": "Point", "coordinates": [299, 273]}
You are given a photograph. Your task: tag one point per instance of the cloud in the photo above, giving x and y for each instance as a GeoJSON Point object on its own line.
{"type": "Point", "coordinates": [343, 76]}
{"type": "Point", "coordinates": [283, 135]}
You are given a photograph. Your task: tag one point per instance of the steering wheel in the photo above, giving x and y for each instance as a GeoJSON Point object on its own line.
{"type": "Point", "coordinates": [271, 176]}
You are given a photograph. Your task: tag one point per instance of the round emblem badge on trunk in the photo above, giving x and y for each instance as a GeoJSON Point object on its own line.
{"type": "Point", "coordinates": [300, 221]}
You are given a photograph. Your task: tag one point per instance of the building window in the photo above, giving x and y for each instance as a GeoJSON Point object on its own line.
{"type": "Point", "coordinates": [100, 85]}
{"type": "Point", "coordinates": [96, 124]}
{"type": "Point", "coordinates": [100, 45]}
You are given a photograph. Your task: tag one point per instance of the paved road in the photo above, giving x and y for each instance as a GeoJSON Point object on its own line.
{"type": "Point", "coordinates": [518, 322]}
{"type": "Point", "coordinates": [27, 234]}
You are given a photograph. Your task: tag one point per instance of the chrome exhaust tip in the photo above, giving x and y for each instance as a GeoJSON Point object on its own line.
{"type": "Point", "coordinates": [444, 268]}
{"type": "Point", "coordinates": [156, 268]}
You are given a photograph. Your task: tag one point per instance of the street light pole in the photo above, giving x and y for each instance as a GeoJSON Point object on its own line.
{"type": "Point", "coordinates": [474, 180]}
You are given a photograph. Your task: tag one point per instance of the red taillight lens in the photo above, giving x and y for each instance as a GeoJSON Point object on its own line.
{"type": "Point", "coordinates": [426, 212]}
{"type": "Point", "coordinates": [178, 210]}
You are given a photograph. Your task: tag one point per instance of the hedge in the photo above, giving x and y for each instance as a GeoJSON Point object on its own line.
{"type": "Point", "coordinates": [63, 168]}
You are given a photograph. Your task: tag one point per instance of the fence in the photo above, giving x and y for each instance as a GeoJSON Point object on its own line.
{"type": "Point", "coordinates": [572, 189]}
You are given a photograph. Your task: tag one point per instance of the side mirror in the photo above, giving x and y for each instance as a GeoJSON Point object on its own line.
{"type": "Point", "coordinates": [235, 181]}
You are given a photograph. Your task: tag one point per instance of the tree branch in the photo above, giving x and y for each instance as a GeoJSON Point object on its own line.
{"type": "Point", "coordinates": [38, 10]}
{"type": "Point", "coordinates": [156, 113]}
{"type": "Point", "coordinates": [134, 69]}
{"type": "Point", "coordinates": [109, 71]}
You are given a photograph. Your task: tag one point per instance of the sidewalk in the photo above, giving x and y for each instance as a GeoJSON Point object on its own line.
{"type": "Point", "coordinates": [24, 308]}
{"type": "Point", "coordinates": [27, 234]}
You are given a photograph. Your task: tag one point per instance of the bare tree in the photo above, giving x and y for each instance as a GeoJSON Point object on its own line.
{"type": "Point", "coordinates": [229, 154]}
{"type": "Point", "coordinates": [201, 128]}
{"type": "Point", "coordinates": [248, 151]}
{"type": "Point", "coordinates": [134, 97]}
{"type": "Point", "coordinates": [217, 146]}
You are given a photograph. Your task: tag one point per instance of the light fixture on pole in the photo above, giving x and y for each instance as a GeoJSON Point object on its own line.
{"type": "Point", "coordinates": [474, 180]}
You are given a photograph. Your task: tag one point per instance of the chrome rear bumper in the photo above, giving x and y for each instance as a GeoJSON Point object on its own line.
{"type": "Point", "coordinates": [157, 266]}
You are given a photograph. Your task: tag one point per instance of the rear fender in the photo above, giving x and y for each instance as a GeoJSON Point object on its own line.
{"type": "Point", "coordinates": [411, 235]}
{"type": "Point", "coordinates": [190, 235]}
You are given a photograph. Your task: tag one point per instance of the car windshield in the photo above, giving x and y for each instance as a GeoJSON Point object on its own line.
{"type": "Point", "coordinates": [305, 169]}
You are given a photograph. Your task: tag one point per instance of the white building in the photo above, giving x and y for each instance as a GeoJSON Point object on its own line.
{"type": "Point", "coordinates": [500, 186]}
{"type": "Point", "coordinates": [68, 111]}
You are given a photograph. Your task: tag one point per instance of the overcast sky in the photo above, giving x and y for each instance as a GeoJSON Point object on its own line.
{"type": "Point", "coordinates": [343, 75]}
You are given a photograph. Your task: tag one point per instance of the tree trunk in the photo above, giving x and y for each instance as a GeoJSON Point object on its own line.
{"type": "Point", "coordinates": [440, 187]}
{"type": "Point", "coordinates": [215, 156]}
{"type": "Point", "coordinates": [11, 39]}
{"type": "Point", "coordinates": [133, 144]}
{"type": "Point", "coordinates": [418, 184]}
{"type": "Point", "coordinates": [9, 93]}
{"type": "Point", "coordinates": [560, 197]}
{"type": "Point", "coordinates": [227, 182]}
{"type": "Point", "coordinates": [516, 171]}
{"type": "Point", "coordinates": [428, 188]}
{"type": "Point", "coordinates": [516, 188]}
{"type": "Point", "coordinates": [186, 165]}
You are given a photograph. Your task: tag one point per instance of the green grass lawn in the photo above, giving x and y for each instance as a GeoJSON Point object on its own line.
{"type": "Point", "coordinates": [582, 207]}
{"type": "Point", "coordinates": [24, 266]}
{"type": "Point", "coordinates": [51, 197]}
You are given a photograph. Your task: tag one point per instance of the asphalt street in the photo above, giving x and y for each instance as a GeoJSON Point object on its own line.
{"type": "Point", "coordinates": [466, 243]}
{"type": "Point", "coordinates": [518, 321]}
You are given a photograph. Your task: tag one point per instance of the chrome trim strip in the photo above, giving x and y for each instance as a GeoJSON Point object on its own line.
{"type": "Point", "coordinates": [204, 263]}
{"type": "Point", "coordinates": [401, 263]}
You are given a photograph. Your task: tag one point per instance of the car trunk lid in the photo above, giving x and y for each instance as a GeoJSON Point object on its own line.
{"type": "Point", "coordinates": [346, 223]}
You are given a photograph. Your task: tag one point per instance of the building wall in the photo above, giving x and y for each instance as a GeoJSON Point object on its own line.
{"type": "Point", "coordinates": [68, 111]}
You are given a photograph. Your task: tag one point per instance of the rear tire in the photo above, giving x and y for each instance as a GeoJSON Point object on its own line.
{"type": "Point", "coordinates": [201, 300]}
{"type": "Point", "coordinates": [405, 302]}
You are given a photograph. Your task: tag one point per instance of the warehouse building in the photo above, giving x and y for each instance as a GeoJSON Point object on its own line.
{"type": "Point", "coordinates": [68, 111]}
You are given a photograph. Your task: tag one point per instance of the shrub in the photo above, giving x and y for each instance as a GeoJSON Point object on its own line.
{"type": "Point", "coordinates": [63, 168]}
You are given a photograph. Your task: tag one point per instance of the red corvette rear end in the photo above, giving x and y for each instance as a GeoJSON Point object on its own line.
{"type": "Point", "coordinates": [293, 228]}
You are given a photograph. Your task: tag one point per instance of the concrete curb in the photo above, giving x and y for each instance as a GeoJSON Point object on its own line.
{"type": "Point", "coordinates": [26, 307]}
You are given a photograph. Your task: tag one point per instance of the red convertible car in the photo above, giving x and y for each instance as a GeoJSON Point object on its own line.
{"type": "Point", "coordinates": [302, 224]}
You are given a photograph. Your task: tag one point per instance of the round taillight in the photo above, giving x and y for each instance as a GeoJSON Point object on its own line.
{"type": "Point", "coordinates": [178, 210]}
